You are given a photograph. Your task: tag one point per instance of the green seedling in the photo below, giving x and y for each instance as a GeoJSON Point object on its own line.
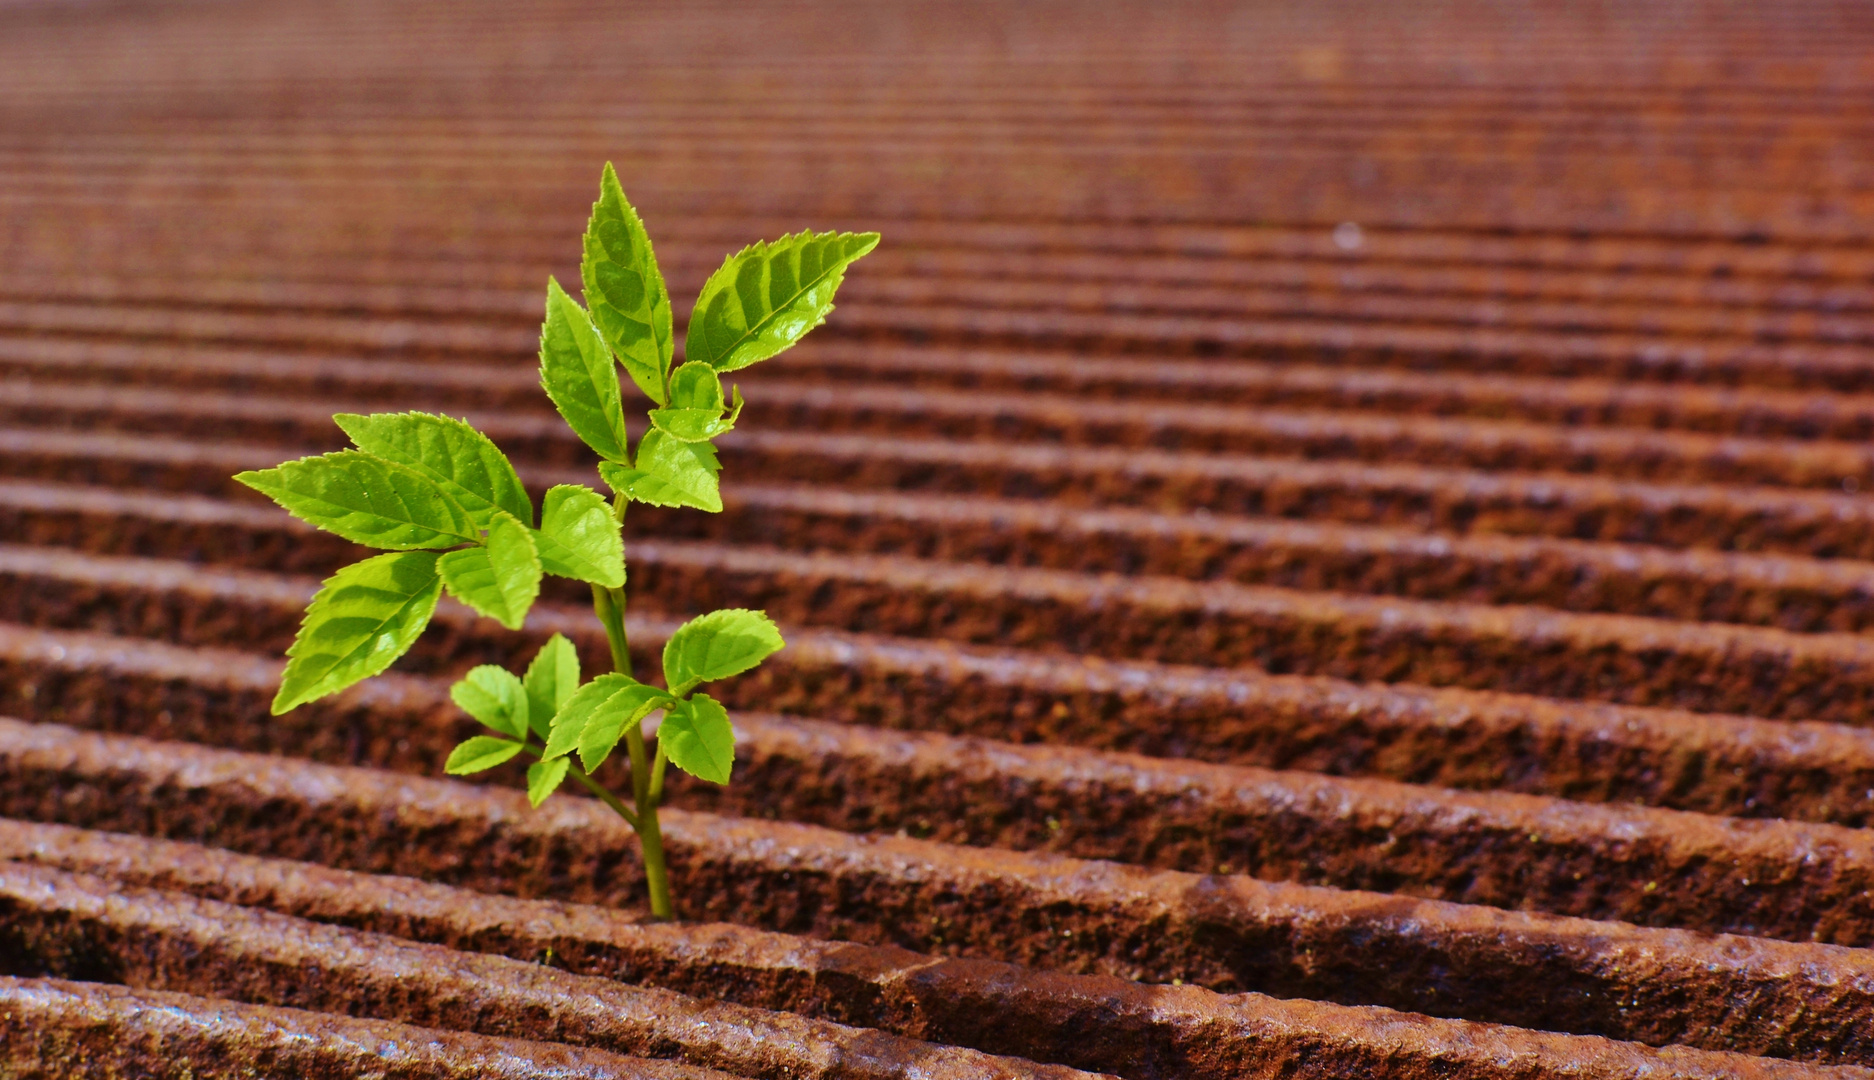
{"type": "Point", "coordinates": [449, 509]}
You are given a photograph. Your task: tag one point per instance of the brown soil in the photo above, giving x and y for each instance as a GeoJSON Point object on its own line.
{"type": "Point", "coordinates": [1324, 543]}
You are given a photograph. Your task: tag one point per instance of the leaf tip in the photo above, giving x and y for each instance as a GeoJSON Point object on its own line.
{"type": "Point", "coordinates": [543, 778]}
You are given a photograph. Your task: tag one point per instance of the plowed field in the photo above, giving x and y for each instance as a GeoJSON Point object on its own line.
{"type": "Point", "coordinates": [1326, 542]}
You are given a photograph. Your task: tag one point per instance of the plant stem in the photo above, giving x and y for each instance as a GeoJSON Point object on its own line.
{"type": "Point", "coordinates": [650, 833]}
{"type": "Point", "coordinates": [656, 875]}
{"type": "Point", "coordinates": [605, 796]}
{"type": "Point", "coordinates": [657, 774]}
{"type": "Point", "coordinates": [609, 606]}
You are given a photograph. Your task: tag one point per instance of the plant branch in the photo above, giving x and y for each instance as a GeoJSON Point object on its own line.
{"type": "Point", "coordinates": [605, 796]}
{"type": "Point", "coordinates": [656, 792]}
{"type": "Point", "coordinates": [609, 605]}
{"type": "Point", "coordinates": [640, 767]}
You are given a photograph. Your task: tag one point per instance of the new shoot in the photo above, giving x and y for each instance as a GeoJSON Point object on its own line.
{"type": "Point", "coordinates": [450, 511]}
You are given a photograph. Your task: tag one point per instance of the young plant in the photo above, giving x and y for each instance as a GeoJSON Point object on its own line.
{"type": "Point", "coordinates": [449, 509]}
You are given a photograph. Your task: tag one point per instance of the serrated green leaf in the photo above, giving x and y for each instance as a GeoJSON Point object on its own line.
{"type": "Point", "coordinates": [690, 425]}
{"type": "Point", "coordinates": [718, 645]}
{"type": "Point", "coordinates": [573, 714]}
{"type": "Point", "coordinates": [552, 679]}
{"type": "Point", "coordinates": [609, 702]}
{"type": "Point", "coordinates": [695, 412]}
{"type": "Point", "coordinates": [697, 738]}
{"type": "Point", "coordinates": [479, 754]}
{"type": "Point", "coordinates": [578, 372]}
{"type": "Point", "coordinates": [578, 537]}
{"type": "Point", "coordinates": [695, 385]}
{"type": "Point", "coordinates": [500, 577]}
{"type": "Point", "coordinates": [468, 465]}
{"type": "Point", "coordinates": [766, 297]}
{"type": "Point", "coordinates": [494, 696]}
{"type": "Point", "coordinates": [367, 500]}
{"type": "Point", "coordinates": [625, 290]}
{"type": "Point", "coordinates": [670, 472]}
{"type": "Point", "coordinates": [544, 777]}
{"type": "Point", "coordinates": [363, 618]}
{"type": "Point", "coordinates": [608, 722]}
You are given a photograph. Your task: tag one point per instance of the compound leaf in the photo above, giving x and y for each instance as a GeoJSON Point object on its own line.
{"type": "Point", "coordinates": [468, 465]}
{"type": "Point", "coordinates": [697, 738]}
{"type": "Point", "coordinates": [766, 297]}
{"type": "Point", "coordinates": [578, 538]}
{"type": "Point", "coordinates": [696, 385]}
{"type": "Point", "coordinates": [570, 721]}
{"type": "Point", "coordinates": [552, 678]}
{"type": "Point", "coordinates": [696, 405]}
{"type": "Point", "coordinates": [608, 723]}
{"type": "Point", "coordinates": [594, 719]}
{"type": "Point", "coordinates": [670, 472]}
{"type": "Point", "coordinates": [367, 500]}
{"type": "Point", "coordinates": [543, 778]}
{"type": "Point", "coordinates": [690, 425]}
{"type": "Point", "coordinates": [578, 372]}
{"type": "Point", "coordinates": [363, 618]}
{"type": "Point", "coordinates": [479, 754]}
{"type": "Point", "coordinates": [624, 289]}
{"type": "Point", "coordinates": [500, 577]}
{"type": "Point", "coordinates": [494, 696]}
{"type": "Point", "coordinates": [718, 645]}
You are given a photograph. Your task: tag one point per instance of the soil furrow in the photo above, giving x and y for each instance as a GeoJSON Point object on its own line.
{"type": "Point", "coordinates": [75, 926]}
{"type": "Point", "coordinates": [1614, 658]}
{"type": "Point", "coordinates": [1502, 850]}
{"type": "Point", "coordinates": [1613, 260]}
{"type": "Point", "coordinates": [1515, 649]}
{"type": "Point", "coordinates": [435, 336]}
{"type": "Point", "coordinates": [1789, 592]}
{"type": "Point", "coordinates": [1263, 177]}
{"type": "Point", "coordinates": [155, 937]}
{"type": "Point", "coordinates": [1452, 501]}
{"type": "Point", "coordinates": [349, 280]}
{"type": "Point", "coordinates": [988, 283]}
{"type": "Point", "coordinates": [1246, 303]}
{"type": "Point", "coordinates": [1384, 345]}
{"type": "Point", "coordinates": [1453, 738]}
{"type": "Point", "coordinates": [1348, 510]}
{"type": "Point", "coordinates": [1308, 339]}
{"type": "Point", "coordinates": [54, 1028]}
{"type": "Point", "coordinates": [462, 384]}
{"type": "Point", "coordinates": [1227, 932]}
{"type": "Point", "coordinates": [944, 998]}
{"type": "Point", "coordinates": [1676, 457]}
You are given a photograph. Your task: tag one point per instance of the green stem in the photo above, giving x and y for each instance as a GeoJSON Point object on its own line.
{"type": "Point", "coordinates": [657, 775]}
{"type": "Point", "coordinates": [656, 874]}
{"type": "Point", "coordinates": [650, 834]}
{"type": "Point", "coordinates": [609, 606]}
{"type": "Point", "coordinates": [605, 796]}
